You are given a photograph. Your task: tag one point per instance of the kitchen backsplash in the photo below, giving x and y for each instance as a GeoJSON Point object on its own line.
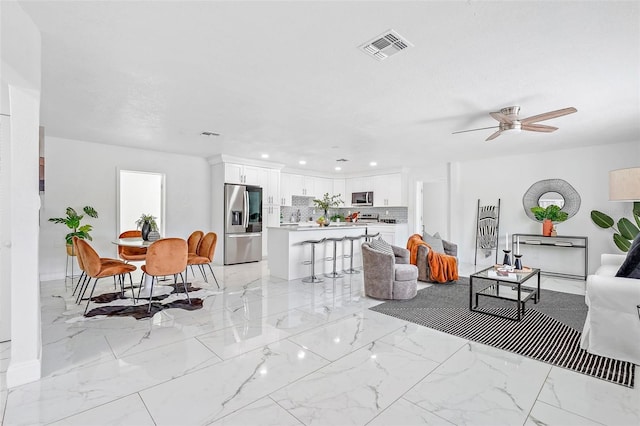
{"type": "Point", "coordinates": [305, 206]}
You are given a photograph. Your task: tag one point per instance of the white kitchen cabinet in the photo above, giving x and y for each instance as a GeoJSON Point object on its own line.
{"type": "Point", "coordinates": [395, 234]}
{"type": "Point", "coordinates": [387, 190]}
{"type": "Point", "coordinates": [270, 217]}
{"type": "Point", "coordinates": [285, 189]}
{"type": "Point", "coordinates": [270, 182]}
{"type": "Point", "coordinates": [340, 188]}
{"type": "Point", "coordinates": [322, 186]}
{"type": "Point", "coordinates": [242, 174]}
{"type": "Point", "coordinates": [294, 184]}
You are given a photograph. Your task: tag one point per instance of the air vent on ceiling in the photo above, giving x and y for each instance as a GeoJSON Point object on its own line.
{"type": "Point", "coordinates": [342, 160]}
{"type": "Point", "coordinates": [386, 44]}
{"type": "Point", "coordinates": [209, 134]}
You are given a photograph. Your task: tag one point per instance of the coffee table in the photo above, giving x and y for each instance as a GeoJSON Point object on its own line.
{"type": "Point", "coordinates": [505, 286]}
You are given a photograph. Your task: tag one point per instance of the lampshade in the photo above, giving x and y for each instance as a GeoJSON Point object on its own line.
{"type": "Point", "coordinates": [624, 184]}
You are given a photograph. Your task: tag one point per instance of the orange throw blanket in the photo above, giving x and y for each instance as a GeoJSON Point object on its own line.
{"type": "Point", "coordinates": [442, 267]}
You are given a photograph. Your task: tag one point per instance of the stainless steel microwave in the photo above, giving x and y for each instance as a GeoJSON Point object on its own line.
{"type": "Point", "coordinates": [362, 198]}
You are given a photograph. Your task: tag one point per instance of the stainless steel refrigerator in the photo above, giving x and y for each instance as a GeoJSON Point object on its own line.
{"type": "Point", "coordinates": [242, 224]}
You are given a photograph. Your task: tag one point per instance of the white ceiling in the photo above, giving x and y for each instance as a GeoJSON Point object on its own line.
{"type": "Point", "coordinates": [287, 78]}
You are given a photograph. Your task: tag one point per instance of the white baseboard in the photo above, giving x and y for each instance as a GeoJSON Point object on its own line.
{"type": "Point", "coordinates": [23, 372]}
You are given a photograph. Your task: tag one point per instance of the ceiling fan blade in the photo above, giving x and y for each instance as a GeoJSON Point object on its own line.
{"type": "Point", "coordinates": [501, 117]}
{"type": "Point", "coordinates": [494, 135]}
{"type": "Point", "coordinates": [548, 115]}
{"type": "Point", "coordinates": [473, 130]}
{"type": "Point", "coordinates": [539, 128]}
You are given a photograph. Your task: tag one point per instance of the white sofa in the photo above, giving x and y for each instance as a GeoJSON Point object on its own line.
{"type": "Point", "coordinates": [612, 327]}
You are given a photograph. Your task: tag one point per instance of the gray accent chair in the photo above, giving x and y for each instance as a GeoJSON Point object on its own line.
{"type": "Point", "coordinates": [421, 259]}
{"type": "Point", "coordinates": [388, 276]}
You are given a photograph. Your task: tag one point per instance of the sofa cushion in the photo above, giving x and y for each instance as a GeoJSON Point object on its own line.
{"type": "Point", "coordinates": [434, 242]}
{"type": "Point", "coordinates": [449, 248]}
{"type": "Point", "coordinates": [404, 272]}
{"type": "Point", "coordinates": [381, 246]}
{"type": "Point", "coordinates": [630, 268]}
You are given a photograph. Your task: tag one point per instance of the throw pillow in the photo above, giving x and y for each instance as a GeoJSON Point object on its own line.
{"type": "Point", "coordinates": [630, 268]}
{"type": "Point", "coordinates": [449, 248]}
{"type": "Point", "coordinates": [381, 246]}
{"type": "Point", "coordinates": [434, 242]}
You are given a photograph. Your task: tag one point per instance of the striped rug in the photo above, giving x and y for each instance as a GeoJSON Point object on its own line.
{"type": "Point", "coordinates": [537, 336]}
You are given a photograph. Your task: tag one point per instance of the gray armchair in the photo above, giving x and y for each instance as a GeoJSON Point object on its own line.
{"type": "Point", "coordinates": [388, 276]}
{"type": "Point", "coordinates": [421, 259]}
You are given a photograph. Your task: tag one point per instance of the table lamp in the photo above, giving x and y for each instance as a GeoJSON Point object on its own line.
{"type": "Point", "coordinates": [624, 184]}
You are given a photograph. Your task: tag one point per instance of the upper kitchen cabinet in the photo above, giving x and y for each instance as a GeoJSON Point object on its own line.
{"type": "Point", "coordinates": [270, 181]}
{"type": "Point", "coordinates": [340, 188]}
{"type": "Point", "coordinates": [242, 174]}
{"type": "Point", "coordinates": [387, 190]}
{"type": "Point", "coordinates": [358, 184]}
{"type": "Point", "coordinates": [322, 186]}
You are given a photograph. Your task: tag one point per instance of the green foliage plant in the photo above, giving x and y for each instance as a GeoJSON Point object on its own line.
{"type": "Point", "coordinates": [551, 212]}
{"type": "Point", "coordinates": [327, 201]}
{"type": "Point", "coordinates": [145, 217]}
{"type": "Point", "coordinates": [626, 230]}
{"type": "Point", "coordinates": [73, 219]}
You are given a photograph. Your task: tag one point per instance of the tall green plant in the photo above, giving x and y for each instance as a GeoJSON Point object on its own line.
{"type": "Point", "coordinates": [626, 231]}
{"type": "Point", "coordinates": [73, 219]}
{"type": "Point", "coordinates": [551, 212]}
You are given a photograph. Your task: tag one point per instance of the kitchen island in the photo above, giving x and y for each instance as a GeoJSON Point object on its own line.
{"type": "Point", "coordinates": [287, 254]}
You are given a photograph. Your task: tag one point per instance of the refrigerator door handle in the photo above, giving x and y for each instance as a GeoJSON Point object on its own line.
{"type": "Point", "coordinates": [246, 209]}
{"type": "Point", "coordinates": [253, 234]}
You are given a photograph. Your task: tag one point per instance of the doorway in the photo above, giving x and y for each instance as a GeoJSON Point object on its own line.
{"type": "Point", "coordinates": [140, 193]}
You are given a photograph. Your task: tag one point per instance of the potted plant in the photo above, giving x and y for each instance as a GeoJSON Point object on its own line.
{"type": "Point", "coordinates": [146, 223]}
{"type": "Point", "coordinates": [626, 232]}
{"type": "Point", "coordinates": [72, 220]}
{"type": "Point", "coordinates": [548, 216]}
{"type": "Point", "coordinates": [325, 203]}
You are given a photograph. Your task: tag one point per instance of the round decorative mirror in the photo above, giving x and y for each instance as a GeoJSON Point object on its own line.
{"type": "Point", "coordinates": [551, 198]}
{"type": "Point", "coordinates": [551, 191]}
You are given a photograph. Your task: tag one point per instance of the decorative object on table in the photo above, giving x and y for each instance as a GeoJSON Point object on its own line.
{"type": "Point", "coordinates": [507, 257]}
{"type": "Point", "coordinates": [554, 232]}
{"type": "Point", "coordinates": [146, 223]}
{"type": "Point", "coordinates": [548, 215]}
{"type": "Point", "coordinates": [551, 192]}
{"type": "Point", "coordinates": [326, 202]}
{"type": "Point", "coordinates": [153, 235]}
{"type": "Point", "coordinates": [518, 262]}
{"type": "Point", "coordinates": [72, 220]}
{"type": "Point", "coordinates": [322, 221]}
{"type": "Point", "coordinates": [624, 185]}
{"type": "Point", "coordinates": [487, 228]}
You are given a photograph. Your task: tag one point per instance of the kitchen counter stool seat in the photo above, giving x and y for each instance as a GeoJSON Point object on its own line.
{"type": "Point", "coordinates": [312, 278]}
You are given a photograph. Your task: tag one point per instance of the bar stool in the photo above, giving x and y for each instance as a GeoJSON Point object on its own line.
{"type": "Point", "coordinates": [333, 273]}
{"type": "Point", "coordinates": [350, 255]}
{"type": "Point", "coordinates": [312, 278]}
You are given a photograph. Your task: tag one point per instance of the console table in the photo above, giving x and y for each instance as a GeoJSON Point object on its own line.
{"type": "Point", "coordinates": [560, 241]}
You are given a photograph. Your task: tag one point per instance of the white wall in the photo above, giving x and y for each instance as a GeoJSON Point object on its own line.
{"type": "Point", "coordinates": [508, 178]}
{"type": "Point", "coordinates": [81, 173]}
{"type": "Point", "coordinates": [20, 91]}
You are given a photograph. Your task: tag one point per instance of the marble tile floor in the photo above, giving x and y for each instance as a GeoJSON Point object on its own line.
{"type": "Point", "coordinates": [264, 351]}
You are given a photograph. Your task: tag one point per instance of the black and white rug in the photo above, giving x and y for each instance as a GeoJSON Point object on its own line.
{"type": "Point", "coordinates": [549, 332]}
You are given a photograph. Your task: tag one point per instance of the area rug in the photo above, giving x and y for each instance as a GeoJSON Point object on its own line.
{"type": "Point", "coordinates": [550, 331]}
{"type": "Point", "coordinates": [141, 310]}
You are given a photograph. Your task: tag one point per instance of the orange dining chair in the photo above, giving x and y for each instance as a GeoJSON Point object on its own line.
{"type": "Point", "coordinates": [167, 256]}
{"type": "Point", "coordinates": [204, 255]}
{"type": "Point", "coordinates": [132, 254]}
{"type": "Point", "coordinates": [83, 275]}
{"type": "Point", "coordinates": [194, 241]}
{"type": "Point", "coordinates": [95, 269]}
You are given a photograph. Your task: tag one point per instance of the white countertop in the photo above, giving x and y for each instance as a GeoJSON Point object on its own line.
{"type": "Point", "coordinates": [312, 226]}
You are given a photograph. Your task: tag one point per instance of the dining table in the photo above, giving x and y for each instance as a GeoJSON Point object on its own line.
{"type": "Point", "coordinates": [145, 285]}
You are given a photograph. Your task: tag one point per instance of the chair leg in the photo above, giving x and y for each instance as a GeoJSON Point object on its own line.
{"type": "Point", "coordinates": [203, 272]}
{"type": "Point", "coordinates": [82, 275]}
{"type": "Point", "coordinates": [140, 286]}
{"type": "Point", "coordinates": [90, 295]}
{"type": "Point", "coordinates": [84, 290]}
{"type": "Point", "coordinates": [214, 275]}
{"type": "Point", "coordinates": [80, 285]}
{"type": "Point", "coordinates": [184, 284]}
{"type": "Point", "coordinates": [151, 293]}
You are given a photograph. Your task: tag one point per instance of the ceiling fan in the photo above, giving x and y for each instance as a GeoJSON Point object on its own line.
{"type": "Point", "coordinates": [509, 121]}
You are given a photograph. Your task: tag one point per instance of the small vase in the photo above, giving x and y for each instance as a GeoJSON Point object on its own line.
{"type": "Point", "coordinates": [547, 226]}
{"type": "Point", "coordinates": [146, 228]}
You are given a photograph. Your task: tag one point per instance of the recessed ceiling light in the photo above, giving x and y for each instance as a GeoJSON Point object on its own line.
{"type": "Point", "coordinates": [302, 162]}
{"type": "Point", "coordinates": [265, 155]}
{"type": "Point", "coordinates": [373, 163]}
{"type": "Point", "coordinates": [338, 168]}
{"type": "Point", "coordinates": [209, 134]}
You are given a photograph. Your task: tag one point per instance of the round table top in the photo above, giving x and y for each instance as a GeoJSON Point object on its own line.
{"type": "Point", "coordinates": [132, 242]}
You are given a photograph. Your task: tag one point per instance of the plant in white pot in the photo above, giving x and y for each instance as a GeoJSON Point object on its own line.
{"type": "Point", "coordinates": [72, 220]}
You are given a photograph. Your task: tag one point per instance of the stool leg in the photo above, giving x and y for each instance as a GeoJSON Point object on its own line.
{"type": "Point", "coordinates": [351, 270]}
{"type": "Point", "coordinates": [334, 274]}
{"type": "Point", "coordinates": [313, 278]}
